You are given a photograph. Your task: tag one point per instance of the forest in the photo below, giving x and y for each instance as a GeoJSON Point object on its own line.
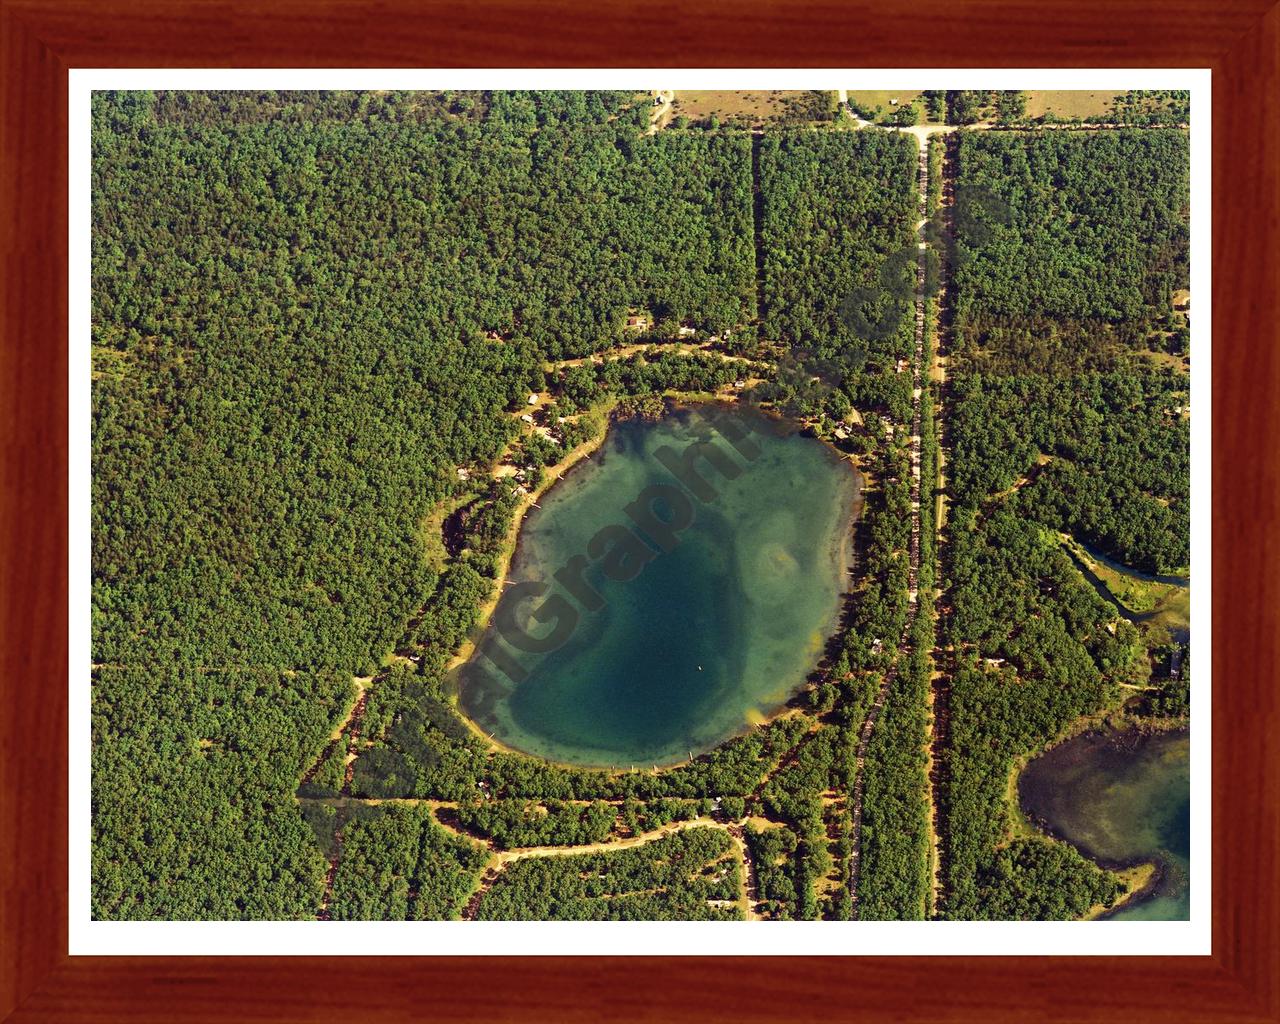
{"type": "Point", "coordinates": [398, 864]}
{"type": "Point", "coordinates": [836, 215]}
{"type": "Point", "coordinates": [317, 317]}
{"type": "Point", "coordinates": [307, 310]}
{"type": "Point", "coordinates": [895, 882]}
{"type": "Point", "coordinates": [194, 771]}
{"type": "Point", "coordinates": [1066, 260]}
{"type": "Point", "coordinates": [1087, 228]}
{"type": "Point", "coordinates": [1109, 457]}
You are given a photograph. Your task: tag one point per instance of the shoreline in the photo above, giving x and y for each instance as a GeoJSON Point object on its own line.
{"type": "Point", "coordinates": [511, 542]}
{"type": "Point", "coordinates": [1127, 870]}
{"type": "Point", "coordinates": [577, 458]}
{"type": "Point", "coordinates": [1105, 720]}
{"type": "Point", "coordinates": [511, 546]}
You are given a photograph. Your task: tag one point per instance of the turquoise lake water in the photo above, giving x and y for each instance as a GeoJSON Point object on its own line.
{"type": "Point", "coordinates": [709, 636]}
{"type": "Point", "coordinates": [1121, 797]}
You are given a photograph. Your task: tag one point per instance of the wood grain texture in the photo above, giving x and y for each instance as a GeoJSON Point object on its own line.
{"type": "Point", "coordinates": [40, 40]}
{"type": "Point", "coordinates": [1246, 487]}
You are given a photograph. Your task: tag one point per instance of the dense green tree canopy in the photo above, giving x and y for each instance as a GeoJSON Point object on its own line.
{"type": "Point", "coordinates": [317, 317]}
{"type": "Point", "coordinates": [1068, 249]}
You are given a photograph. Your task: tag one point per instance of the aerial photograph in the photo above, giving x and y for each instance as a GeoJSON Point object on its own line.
{"type": "Point", "coordinates": [641, 506]}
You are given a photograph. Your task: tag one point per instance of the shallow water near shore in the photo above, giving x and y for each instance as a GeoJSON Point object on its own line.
{"type": "Point", "coordinates": [1120, 798]}
{"type": "Point", "coordinates": [711, 636]}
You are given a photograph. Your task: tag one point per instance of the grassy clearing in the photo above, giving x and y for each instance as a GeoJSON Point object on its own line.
{"type": "Point", "coordinates": [109, 363]}
{"type": "Point", "coordinates": [873, 98]}
{"type": "Point", "coordinates": [1174, 612]}
{"type": "Point", "coordinates": [431, 530]}
{"type": "Point", "coordinates": [1182, 364]}
{"type": "Point", "coordinates": [754, 106]}
{"type": "Point", "coordinates": [1069, 103]}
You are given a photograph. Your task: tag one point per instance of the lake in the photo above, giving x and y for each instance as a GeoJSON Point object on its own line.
{"type": "Point", "coordinates": [1121, 797]}
{"type": "Point", "coordinates": [708, 637]}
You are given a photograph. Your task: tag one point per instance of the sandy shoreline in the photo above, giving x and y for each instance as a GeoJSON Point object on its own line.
{"type": "Point", "coordinates": [577, 458]}
{"type": "Point", "coordinates": [511, 545]}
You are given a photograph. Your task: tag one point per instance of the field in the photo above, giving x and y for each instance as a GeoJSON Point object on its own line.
{"type": "Point", "coordinates": [1081, 103]}
{"type": "Point", "coordinates": [753, 108]}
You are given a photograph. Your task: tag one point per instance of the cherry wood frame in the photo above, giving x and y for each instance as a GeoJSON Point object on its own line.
{"type": "Point", "coordinates": [41, 39]}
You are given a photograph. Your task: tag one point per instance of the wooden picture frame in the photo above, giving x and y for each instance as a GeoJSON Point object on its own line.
{"type": "Point", "coordinates": [41, 39]}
